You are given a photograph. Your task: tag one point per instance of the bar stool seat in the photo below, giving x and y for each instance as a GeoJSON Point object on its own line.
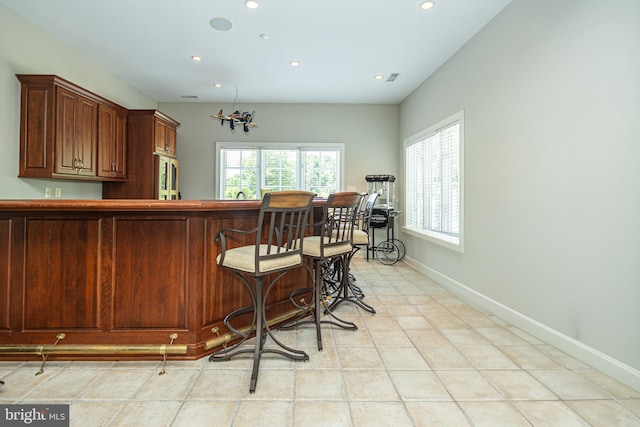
{"type": "Point", "coordinates": [314, 247]}
{"type": "Point", "coordinates": [242, 259]}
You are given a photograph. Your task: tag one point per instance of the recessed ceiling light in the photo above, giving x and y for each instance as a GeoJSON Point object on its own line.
{"type": "Point", "coordinates": [294, 63]}
{"type": "Point", "coordinates": [196, 58]}
{"type": "Point", "coordinates": [221, 24]}
{"type": "Point", "coordinates": [425, 5]}
{"type": "Point", "coordinates": [218, 85]}
{"type": "Point", "coordinates": [378, 77]}
{"type": "Point", "coordinates": [251, 4]}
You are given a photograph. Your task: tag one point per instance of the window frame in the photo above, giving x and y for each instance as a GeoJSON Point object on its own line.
{"type": "Point", "coordinates": [298, 146]}
{"type": "Point", "coordinates": [434, 236]}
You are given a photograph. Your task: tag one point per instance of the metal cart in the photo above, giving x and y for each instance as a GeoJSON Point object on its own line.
{"type": "Point", "coordinates": [391, 250]}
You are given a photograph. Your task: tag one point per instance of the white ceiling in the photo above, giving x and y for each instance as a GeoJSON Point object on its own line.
{"type": "Point", "coordinates": [341, 45]}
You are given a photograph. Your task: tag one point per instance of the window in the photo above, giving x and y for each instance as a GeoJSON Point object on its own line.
{"type": "Point", "coordinates": [433, 167]}
{"type": "Point", "coordinates": [252, 167]}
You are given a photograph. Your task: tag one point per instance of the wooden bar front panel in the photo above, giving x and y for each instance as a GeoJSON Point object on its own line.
{"type": "Point", "coordinates": [122, 272]}
{"type": "Point", "coordinates": [150, 282]}
{"type": "Point", "coordinates": [5, 268]}
{"type": "Point", "coordinates": [61, 282]}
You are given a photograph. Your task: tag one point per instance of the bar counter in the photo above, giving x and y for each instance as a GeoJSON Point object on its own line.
{"type": "Point", "coordinates": [122, 279]}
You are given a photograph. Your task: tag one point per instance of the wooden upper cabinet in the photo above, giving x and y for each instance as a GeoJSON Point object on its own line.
{"type": "Point", "coordinates": [112, 141]}
{"type": "Point", "coordinates": [151, 137]}
{"type": "Point", "coordinates": [63, 131]}
{"type": "Point", "coordinates": [171, 142]}
{"type": "Point", "coordinates": [76, 134]}
{"type": "Point", "coordinates": [165, 136]}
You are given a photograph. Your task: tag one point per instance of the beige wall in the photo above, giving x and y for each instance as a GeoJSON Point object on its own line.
{"type": "Point", "coordinates": [25, 49]}
{"type": "Point", "coordinates": [551, 96]}
{"type": "Point", "coordinates": [369, 133]}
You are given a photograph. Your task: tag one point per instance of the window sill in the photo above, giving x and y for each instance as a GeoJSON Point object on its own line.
{"type": "Point", "coordinates": [450, 242]}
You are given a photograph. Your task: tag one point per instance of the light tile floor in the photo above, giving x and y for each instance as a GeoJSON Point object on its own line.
{"type": "Point", "coordinates": [426, 358]}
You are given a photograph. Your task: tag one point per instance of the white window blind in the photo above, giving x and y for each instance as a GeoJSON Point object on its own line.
{"type": "Point", "coordinates": [280, 169]}
{"type": "Point", "coordinates": [433, 167]}
{"type": "Point", "coordinates": [239, 174]}
{"type": "Point", "coordinates": [320, 171]}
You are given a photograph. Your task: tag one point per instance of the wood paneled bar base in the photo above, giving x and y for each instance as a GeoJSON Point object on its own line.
{"type": "Point", "coordinates": [123, 279]}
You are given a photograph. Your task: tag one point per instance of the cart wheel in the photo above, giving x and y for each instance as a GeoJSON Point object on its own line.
{"type": "Point", "coordinates": [401, 248]}
{"type": "Point", "coordinates": [387, 252]}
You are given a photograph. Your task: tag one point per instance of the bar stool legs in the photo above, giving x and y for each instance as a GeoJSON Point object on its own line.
{"type": "Point", "coordinates": [319, 304]}
{"type": "Point", "coordinates": [261, 328]}
{"type": "Point", "coordinates": [347, 290]}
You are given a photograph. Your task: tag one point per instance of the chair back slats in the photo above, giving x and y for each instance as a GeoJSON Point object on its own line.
{"type": "Point", "coordinates": [339, 216]}
{"type": "Point", "coordinates": [281, 225]}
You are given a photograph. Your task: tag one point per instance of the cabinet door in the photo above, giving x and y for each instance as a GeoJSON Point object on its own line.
{"type": "Point", "coordinates": [171, 141]}
{"type": "Point", "coordinates": [66, 157]}
{"type": "Point", "coordinates": [166, 178]}
{"type": "Point", "coordinates": [87, 137]}
{"type": "Point", "coordinates": [106, 130]}
{"type": "Point", "coordinates": [162, 177]}
{"type": "Point", "coordinates": [173, 179]}
{"type": "Point", "coordinates": [111, 142]}
{"type": "Point", "coordinates": [165, 138]}
{"type": "Point", "coordinates": [160, 136]}
{"type": "Point", "coordinates": [120, 146]}
{"type": "Point", "coordinates": [76, 134]}
{"type": "Point", "coordinates": [37, 107]}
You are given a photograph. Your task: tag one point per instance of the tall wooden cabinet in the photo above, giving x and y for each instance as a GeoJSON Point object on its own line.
{"type": "Point", "coordinates": [152, 166]}
{"type": "Point", "coordinates": [63, 131]}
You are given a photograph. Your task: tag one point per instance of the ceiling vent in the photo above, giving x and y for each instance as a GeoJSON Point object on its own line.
{"type": "Point", "coordinates": [392, 77]}
{"type": "Point", "coordinates": [189, 96]}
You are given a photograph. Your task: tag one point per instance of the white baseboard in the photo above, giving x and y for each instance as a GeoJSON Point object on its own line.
{"type": "Point", "coordinates": [592, 357]}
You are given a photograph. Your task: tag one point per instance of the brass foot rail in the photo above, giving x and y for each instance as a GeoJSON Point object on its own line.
{"type": "Point", "coordinates": [79, 349]}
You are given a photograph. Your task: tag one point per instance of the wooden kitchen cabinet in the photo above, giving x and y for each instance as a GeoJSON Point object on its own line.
{"type": "Point", "coordinates": [152, 167]}
{"type": "Point", "coordinates": [75, 134]}
{"type": "Point", "coordinates": [62, 134]}
{"type": "Point", "coordinates": [165, 137]}
{"type": "Point", "coordinates": [112, 140]}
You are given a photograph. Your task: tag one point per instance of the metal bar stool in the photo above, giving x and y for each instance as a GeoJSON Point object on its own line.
{"type": "Point", "coordinates": [348, 291]}
{"type": "Point", "coordinates": [282, 222]}
{"type": "Point", "coordinates": [326, 250]}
